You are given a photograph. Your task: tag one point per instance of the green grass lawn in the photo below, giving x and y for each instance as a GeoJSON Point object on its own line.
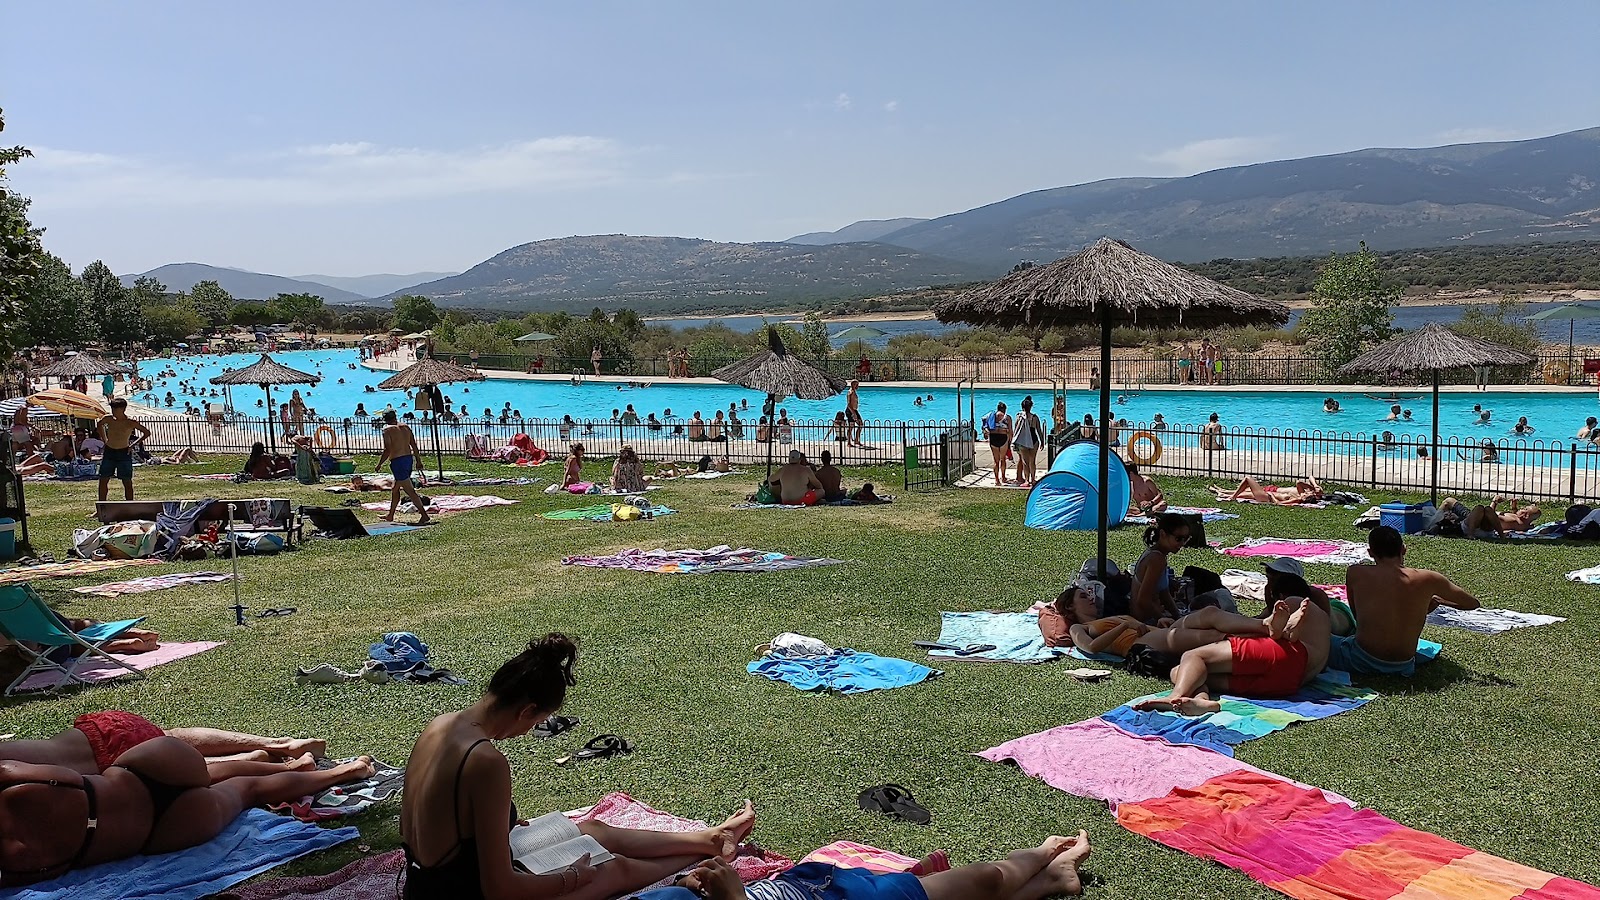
{"type": "Point", "coordinates": [1493, 746]}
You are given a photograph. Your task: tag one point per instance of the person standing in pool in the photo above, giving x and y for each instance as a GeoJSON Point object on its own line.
{"type": "Point", "coordinates": [400, 452]}
{"type": "Point", "coordinates": [997, 431]}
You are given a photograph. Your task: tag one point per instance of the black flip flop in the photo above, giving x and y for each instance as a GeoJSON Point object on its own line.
{"type": "Point", "coordinates": [894, 800]}
{"type": "Point", "coordinates": [280, 611]}
{"type": "Point", "coordinates": [935, 645]}
{"type": "Point", "coordinates": [604, 746]}
{"type": "Point", "coordinates": [555, 725]}
{"type": "Point", "coordinates": [970, 649]}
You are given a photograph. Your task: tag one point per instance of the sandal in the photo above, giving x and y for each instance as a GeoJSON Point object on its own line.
{"type": "Point", "coordinates": [601, 746]}
{"type": "Point", "coordinates": [279, 611]}
{"type": "Point", "coordinates": [555, 725]}
{"type": "Point", "coordinates": [894, 800]}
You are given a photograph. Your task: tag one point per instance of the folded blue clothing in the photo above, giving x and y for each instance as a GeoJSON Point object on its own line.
{"type": "Point", "coordinates": [1015, 636]}
{"type": "Point", "coordinates": [847, 672]}
{"type": "Point", "coordinates": [255, 842]}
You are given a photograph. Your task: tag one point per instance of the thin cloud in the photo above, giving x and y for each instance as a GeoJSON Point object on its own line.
{"type": "Point", "coordinates": [1213, 153]}
{"type": "Point", "coordinates": [843, 102]}
{"type": "Point", "coordinates": [325, 174]}
{"type": "Point", "coordinates": [891, 106]}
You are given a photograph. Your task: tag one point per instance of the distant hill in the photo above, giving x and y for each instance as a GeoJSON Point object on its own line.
{"type": "Point", "coordinates": [864, 230]}
{"type": "Point", "coordinates": [241, 284]}
{"type": "Point", "coordinates": [1546, 189]}
{"type": "Point", "coordinates": [373, 285]}
{"type": "Point", "coordinates": [661, 274]}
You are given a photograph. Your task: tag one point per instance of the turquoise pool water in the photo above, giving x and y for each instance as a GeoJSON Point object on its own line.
{"type": "Point", "coordinates": [1555, 416]}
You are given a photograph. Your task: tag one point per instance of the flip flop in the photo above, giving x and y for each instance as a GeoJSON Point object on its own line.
{"type": "Point", "coordinates": [555, 725]}
{"type": "Point", "coordinates": [935, 645]}
{"type": "Point", "coordinates": [970, 649]}
{"type": "Point", "coordinates": [280, 611]}
{"type": "Point", "coordinates": [894, 800]}
{"type": "Point", "coordinates": [603, 746]}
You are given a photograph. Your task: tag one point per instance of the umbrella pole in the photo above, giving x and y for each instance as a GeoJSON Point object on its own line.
{"type": "Point", "coordinates": [772, 430]}
{"type": "Point", "coordinates": [1435, 451]}
{"type": "Point", "coordinates": [1571, 324]}
{"type": "Point", "coordinates": [1105, 435]}
{"type": "Point", "coordinates": [272, 436]}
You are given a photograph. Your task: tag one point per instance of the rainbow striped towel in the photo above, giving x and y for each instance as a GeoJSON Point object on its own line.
{"type": "Point", "coordinates": [1240, 719]}
{"type": "Point", "coordinates": [1291, 839]}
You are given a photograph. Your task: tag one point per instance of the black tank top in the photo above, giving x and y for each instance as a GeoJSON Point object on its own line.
{"type": "Point", "coordinates": [456, 875]}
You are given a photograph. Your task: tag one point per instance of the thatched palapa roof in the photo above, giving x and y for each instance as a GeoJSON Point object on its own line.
{"type": "Point", "coordinates": [773, 371]}
{"type": "Point", "coordinates": [85, 364]}
{"type": "Point", "coordinates": [1431, 348]}
{"type": "Point", "coordinates": [427, 373]}
{"type": "Point", "coordinates": [266, 371]}
{"type": "Point", "coordinates": [1139, 289]}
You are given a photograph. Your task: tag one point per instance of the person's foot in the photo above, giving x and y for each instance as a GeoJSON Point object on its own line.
{"type": "Point", "coordinates": [1062, 872]}
{"type": "Point", "coordinates": [425, 520]}
{"type": "Point", "coordinates": [305, 762]}
{"type": "Point", "coordinates": [357, 769]}
{"type": "Point", "coordinates": [1157, 704]}
{"type": "Point", "coordinates": [1195, 706]}
{"type": "Point", "coordinates": [387, 518]}
{"type": "Point", "coordinates": [727, 837]}
{"type": "Point", "coordinates": [296, 746]}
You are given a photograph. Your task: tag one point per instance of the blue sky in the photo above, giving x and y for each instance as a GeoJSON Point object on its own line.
{"type": "Point", "coordinates": [352, 137]}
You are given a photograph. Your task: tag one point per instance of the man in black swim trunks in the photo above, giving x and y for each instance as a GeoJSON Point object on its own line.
{"type": "Point", "coordinates": [116, 432]}
{"type": "Point", "coordinates": [852, 415]}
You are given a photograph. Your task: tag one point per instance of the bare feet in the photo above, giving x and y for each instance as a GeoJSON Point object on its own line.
{"type": "Point", "coordinates": [1195, 706]}
{"type": "Point", "coordinates": [727, 837]}
{"type": "Point", "coordinates": [424, 520]}
{"type": "Point", "coordinates": [296, 746]}
{"type": "Point", "coordinates": [305, 762]}
{"type": "Point", "coordinates": [1062, 872]}
{"type": "Point", "coordinates": [387, 518]}
{"type": "Point", "coordinates": [1157, 704]}
{"type": "Point", "coordinates": [356, 769]}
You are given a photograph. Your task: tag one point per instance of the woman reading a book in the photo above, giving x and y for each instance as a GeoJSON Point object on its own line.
{"type": "Point", "coordinates": [457, 820]}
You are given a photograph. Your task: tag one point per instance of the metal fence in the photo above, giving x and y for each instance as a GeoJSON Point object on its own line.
{"type": "Point", "coordinates": [940, 460]}
{"type": "Point", "coordinates": [1140, 369]}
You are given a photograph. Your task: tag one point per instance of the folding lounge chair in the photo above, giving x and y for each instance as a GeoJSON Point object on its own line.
{"type": "Point", "coordinates": [24, 617]}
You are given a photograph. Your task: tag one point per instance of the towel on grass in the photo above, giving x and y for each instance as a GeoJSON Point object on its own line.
{"type": "Point", "coordinates": [851, 855]}
{"type": "Point", "coordinates": [600, 512]}
{"type": "Point", "coordinates": [847, 672]}
{"type": "Point", "coordinates": [212, 476]}
{"type": "Point", "coordinates": [347, 799]}
{"type": "Point", "coordinates": [486, 482]}
{"type": "Point", "coordinates": [371, 878]}
{"type": "Point", "coordinates": [1206, 514]}
{"type": "Point", "coordinates": [712, 473]}
{"type": "Point", "coordinates": [100, 670]}
{"type": "Point", "coordinates": [1096, 759]}
{"type": "Point", "coordinates": [255, 842]}
{"type": "Point", "coordinates": [1489, 621]}
{"type": "Point", "coordinates": [1015, 636]}
{"type": "Point", "coordinates": [1293, 840]}
{"type": "Point", "coordinates": [151, 583]}
{"type": "Point", "coordinates": [70, 569]}
{"type": "Point", "coordinates": [622, 811]}
{"type": "Point", "coordinates": [1331, 552]}
{"type": "Point", "coordinates": [699, 562]}
{"type": "Point", "coordinates": [1240, 719]}
{"type": "Point", "coordinates": [447, 503]}
{"type": "Point", "coordinates": [1590, 575]}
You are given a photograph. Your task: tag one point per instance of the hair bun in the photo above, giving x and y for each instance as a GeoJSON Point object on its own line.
{"type": "Point", "coordinates": [556, 651]}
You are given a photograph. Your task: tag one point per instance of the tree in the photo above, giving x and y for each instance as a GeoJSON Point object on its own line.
{"type": "Point", "coordinates": [169, 322]}
{"type": "Point", "coordinates": [302, 310]}
{"type": "Point", "coordinates": [118, 313]}
{"type": "Point", "coordinates": [1350, 307]}
{"type": "Point", "coordinates": [21, 254]}
{"type": "Point", "coordinates": [482, 337]}
{"type": "Point", "coordinates": [1498, 325]}
{"type": "Point", "coordinates": [414, 313]}
{"type": "Point", "coordinates": [57, 314]}
{"type": "Point", "coordinates": [212, 302]}
{"type": "Point", "coordinates": [249, 313]}
{"type": "Point", "coordinates": [814, 341]}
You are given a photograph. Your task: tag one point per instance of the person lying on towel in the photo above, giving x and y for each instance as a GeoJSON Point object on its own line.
{"type": "Point", "coordinates": [96, 739]}
{"type": "Point", "coordinates": [455, 768]}
{"type": "Point", "coordinates": [1305, 490]}
{"type": "Point", "coordinates": [1269, 666]}
{"type": "Point", "coordinates": [157, 797]}
{"type": "Point", "coordinates": [1074, 619]}
{"type": "Point", "coordinates": [1390, 603]}
{"type": "Point", "coordinates": [1048, 870]}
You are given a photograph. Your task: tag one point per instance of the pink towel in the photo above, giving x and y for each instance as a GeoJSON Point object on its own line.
{"type": "Point", "coordinates": [371, 878]}
{"type": "Point", "coordinates": [753, 863]}
{"type": "Point", "coordinates": [851, 855]}
{"type": "Point", "coordinates": [1096, 759]}
{"type": "Point", "coordinates": [100, 670]}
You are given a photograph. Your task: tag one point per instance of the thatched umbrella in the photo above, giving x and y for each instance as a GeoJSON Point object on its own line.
{"type": "Point", "coordinates": [267, 372]}
{"type": "Point", "coordinates": [1108, 283]}
{"type": "Point", "coordinates": [1434, 348]}
{"type": "Point", "coordinates": [777, 374]}
{"type": "Point", "coordinates": [86, 364]}
{"type": "Point", "coordinates": [427, 374]}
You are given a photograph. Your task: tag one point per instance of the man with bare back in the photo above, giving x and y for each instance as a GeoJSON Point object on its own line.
{"type": "Point", "coordinates": [852, 415]}
{"type": "Point", "coordinates": [400, 451]}
{"type": "Point", "coordinates": [1292, 652]}
{"type": "Point", "coordinates": [1391, 603]}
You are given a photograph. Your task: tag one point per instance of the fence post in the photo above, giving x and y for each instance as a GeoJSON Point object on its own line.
{"type": "Point", "coordinates": [1374, 463]}
{"type": "Point", "coordinates": [188, 430]}
{"type": "Point", "coordinates": [944, 457]}
{"type": "Point", "coordinates": [1572, 477]}
{"type": "Point", "coordinates": [905, 457]}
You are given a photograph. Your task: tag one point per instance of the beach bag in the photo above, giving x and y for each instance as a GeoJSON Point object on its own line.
{"type": "Point", "coordinates": [122, 540]}
{"type": "Point", "coordinates": [765, 495]}
{"type": "Point", "coordinates": [623, 512]}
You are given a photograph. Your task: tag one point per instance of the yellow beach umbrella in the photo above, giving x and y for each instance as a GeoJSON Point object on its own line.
{"type": "Point", "coordinates": [69, 403]}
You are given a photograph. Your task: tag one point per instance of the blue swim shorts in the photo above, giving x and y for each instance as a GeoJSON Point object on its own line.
{"type": "Point", "coordinates": [401, 466]}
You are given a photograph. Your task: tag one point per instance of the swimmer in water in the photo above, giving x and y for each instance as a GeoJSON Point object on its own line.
{"type": "Point", "coordinates": [1482, 414]}
{"type": "Point", "coordinates": [1406, 417]}
{"type": "Point", "coordinates": [1394, 413]}
{"type": "Point", "coordinates": [1522, 426]}
{"type": "Point", "coordinates": [917, 402]}
{"type": "Point", "coordinates": [1330, 405]}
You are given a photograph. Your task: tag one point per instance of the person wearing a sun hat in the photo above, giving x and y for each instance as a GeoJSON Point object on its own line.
{"type": "Point", "coordinates": [1286, 577]}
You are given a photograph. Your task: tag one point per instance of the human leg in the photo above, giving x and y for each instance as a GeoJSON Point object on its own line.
{"type": "Point", "coordinates": [1061, 875]}
{"type": "Point", "coordinates": [997, 880]}
{"type": "Point", "coordinates": [216, 742]}
{"type": "Point", "coordinates": [394, 501]}
{"type": "Point", "coordinates": [1197, 670]}
{"type": "Point", "coordinates": [1213, 618]}
{"type": "Point", "coordinates": [410, 488]}
{"type": "Point", "coordinates": [127, 488]}
{"type": "Point", "coordinates": [200, 814]}
{"type": "Point", "coordinates": [721, 840]}
{"type": "Point", "coordinates": [223, 769]}
{"type": "Point", "coordinates": [105, 486]}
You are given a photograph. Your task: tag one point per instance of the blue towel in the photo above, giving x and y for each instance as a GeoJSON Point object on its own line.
{"type": "Point", "coordinates": [847, 672]}
{"type": "Point", "coordinates": [1241, 719]}
{"type": "Point", "coordinates": [1015, 636]}
{"type": "Point", "coordinates": [254, 843]}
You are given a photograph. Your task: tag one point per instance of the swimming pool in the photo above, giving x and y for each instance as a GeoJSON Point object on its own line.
{"type": "Point", "coordinates": [1555, 416]}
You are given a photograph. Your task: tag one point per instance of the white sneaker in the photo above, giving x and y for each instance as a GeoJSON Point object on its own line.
{"type": "Point", "coordinates": [323, 674]}
{"type": "Point", "coordinates": [374, 672]}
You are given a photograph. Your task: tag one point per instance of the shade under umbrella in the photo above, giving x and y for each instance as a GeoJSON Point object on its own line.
{"type": "Point", "coordinates": [534, 337]}
{"type": "Point", "coordinates": [426, 374]}
{"type": "Point", "coordinates": [85, 364]}
{"type": "Point", "coordinates": [267, 372]}
{"type": "Point", "coordinates": [1571, 312]}
{"type": "Point", "coordinates": [1108, 283]}
{"type": "Point", "coordinates": [72, 404]}
{"type": "Point", "coordinates": [1434, 348]}
{"type": "Point", "coordinates": [777, 374]}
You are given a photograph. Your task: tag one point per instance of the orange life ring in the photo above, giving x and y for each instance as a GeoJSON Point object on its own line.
{"type": "Point", "coordinates": [1155, 448]}
{"type": "Point", "coordinates": [332, 439]}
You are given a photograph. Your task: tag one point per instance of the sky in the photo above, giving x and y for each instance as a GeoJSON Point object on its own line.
{"type": "Point", "coordinates": [359, 137]}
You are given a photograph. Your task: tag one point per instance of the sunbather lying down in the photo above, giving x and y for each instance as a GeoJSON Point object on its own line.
{"type": "Point", "coordinates": [96, 740]}
{"type": "Point", "coordinates": [1305, 490]}
{"type": "Point", "coordinates": [1047, 870]}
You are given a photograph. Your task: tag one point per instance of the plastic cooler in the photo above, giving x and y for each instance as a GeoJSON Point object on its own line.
{"type": "Point", "coordinates": [8, 538]}
{"type": "Point", "coordinates": [1406, 518]}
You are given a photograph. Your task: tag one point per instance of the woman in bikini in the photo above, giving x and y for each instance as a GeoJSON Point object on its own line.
{"type": "Point", "coordinates": [1075, 619]}
{"type": "Point", "coordinates": [574, 472]}
{"type": "Point", "coordinates": [1306, 490]}
{"type": "Point", "coordinates": [154, 798]}
{"type": "Point", "coordinates": [1152, 599]}
{"type": "Point", "coordinates": [997, 430]}
{"type": "Point", "coordinates": [456, 814]}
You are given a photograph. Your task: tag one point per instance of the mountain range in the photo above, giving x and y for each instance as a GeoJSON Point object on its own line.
{"type": "Point", "coordinates": [246, 285]}
{"type": "Point", "coordinates": [1544, 189]}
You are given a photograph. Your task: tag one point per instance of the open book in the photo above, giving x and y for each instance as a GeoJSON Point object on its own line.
{"type": "Point", "coordinates": [551, 843]}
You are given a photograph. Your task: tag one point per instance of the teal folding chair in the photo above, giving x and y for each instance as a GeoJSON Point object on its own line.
{"type": "Point", "coordinates": [29, 623]}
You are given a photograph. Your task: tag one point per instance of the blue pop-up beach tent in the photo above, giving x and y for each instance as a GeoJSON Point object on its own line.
{"type": "Point", "coordinates": [1067, 497]}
